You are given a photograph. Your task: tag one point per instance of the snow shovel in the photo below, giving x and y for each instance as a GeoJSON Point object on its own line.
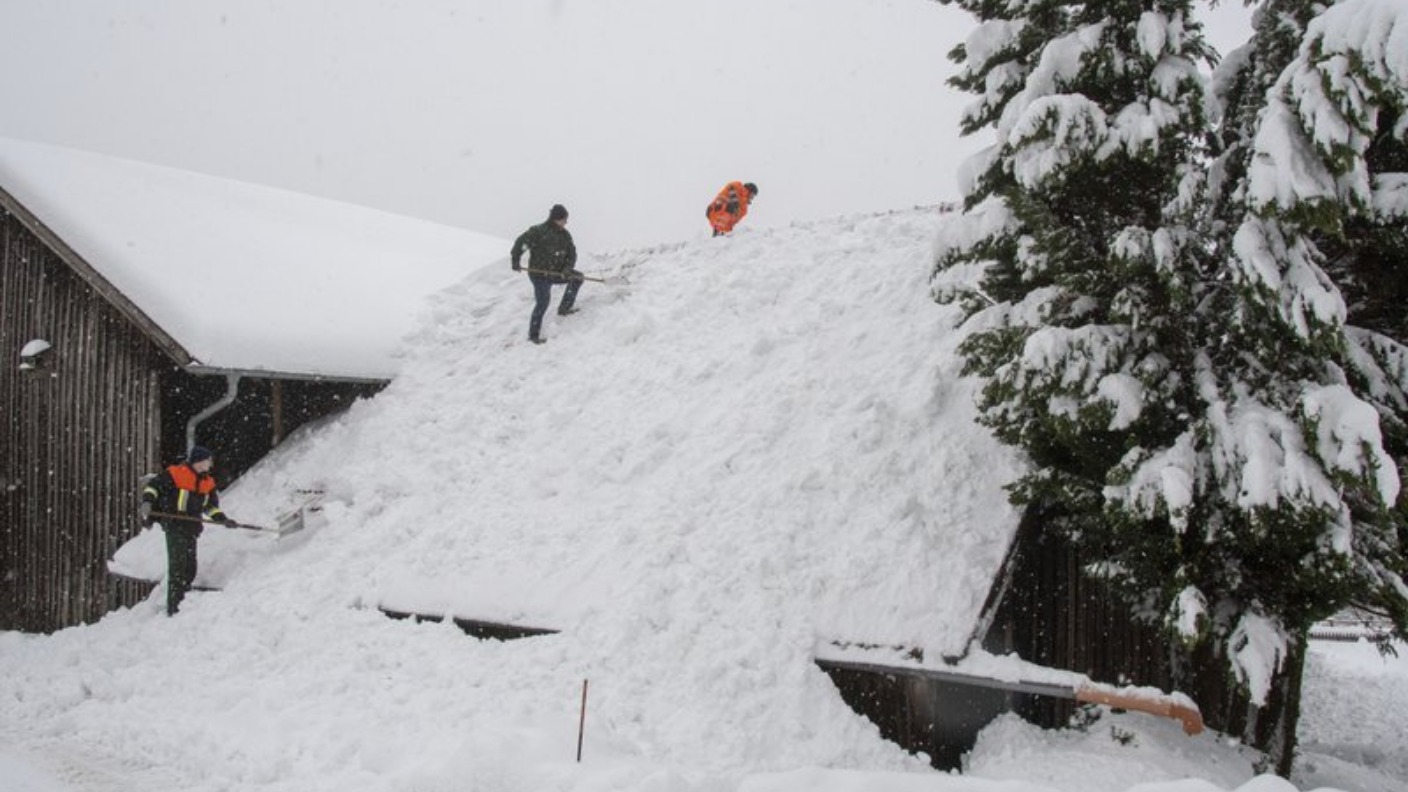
{"type": "Point", "coordinates": [1165, 705]}
{"type": "Point", "coordinates": [289, 524]}
{"type": "Point", "coordinates": [613, 280]}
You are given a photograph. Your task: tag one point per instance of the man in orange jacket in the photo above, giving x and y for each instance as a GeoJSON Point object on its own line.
{"type": "Point", "coordinates": [185, 494]}
{"type": "Point", "coordinates": [730, 206]}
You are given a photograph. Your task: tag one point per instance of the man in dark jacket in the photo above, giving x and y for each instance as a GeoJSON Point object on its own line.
{"type": "Point", "coordinates": [187, 491]}
{"type": "Point", "coordinates": [551, 260]}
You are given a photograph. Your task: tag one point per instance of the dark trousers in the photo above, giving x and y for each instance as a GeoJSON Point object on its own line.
{"type": "Point", "coordinates": [180, 564]}
{"type": "Point", "coordinates": [542, 295]}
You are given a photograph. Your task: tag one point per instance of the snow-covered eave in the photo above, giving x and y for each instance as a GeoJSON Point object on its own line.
{"type": "Point", "coordinates": [163, 340]}
{"type": "Point", "coordinates": [90, 275]}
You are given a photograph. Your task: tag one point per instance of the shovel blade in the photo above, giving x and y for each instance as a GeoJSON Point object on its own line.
{"type": "Point", "coordinates": [290, 523]}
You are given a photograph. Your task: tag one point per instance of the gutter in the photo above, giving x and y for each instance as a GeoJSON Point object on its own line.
{"type": "Point", "coordinates": [232, 386]}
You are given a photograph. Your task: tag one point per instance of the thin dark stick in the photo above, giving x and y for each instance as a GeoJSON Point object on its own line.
{"type": "Point", "coordinates": [582, 722]}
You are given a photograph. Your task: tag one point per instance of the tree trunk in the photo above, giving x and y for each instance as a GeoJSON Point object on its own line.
{"type": "Point", "coordinates": [1275, 727]}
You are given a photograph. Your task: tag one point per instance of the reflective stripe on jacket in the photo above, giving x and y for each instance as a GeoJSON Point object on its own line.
{"type": "Point", "coordinates": [181, 490]}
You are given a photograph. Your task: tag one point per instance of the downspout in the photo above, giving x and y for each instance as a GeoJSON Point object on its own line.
{"type": "Point", "coordinates": [232, 390]}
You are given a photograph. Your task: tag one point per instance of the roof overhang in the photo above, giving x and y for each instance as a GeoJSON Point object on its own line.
{"type": "Point", "coordinates": [215, 371]}
{"type": "Point", "coordinates": [97, 282]}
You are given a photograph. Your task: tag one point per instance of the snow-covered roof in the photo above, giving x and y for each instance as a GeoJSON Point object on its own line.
{"type": "Point", "coordinates": [245, 277]}
{"type": "Point", "coordinates": [769, 431]}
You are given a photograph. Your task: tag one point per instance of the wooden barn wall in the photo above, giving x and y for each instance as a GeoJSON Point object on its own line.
{"type": "Point", "coordinates": [77, 435]}
{"type": "Point", "coordinates": [1054, 615]}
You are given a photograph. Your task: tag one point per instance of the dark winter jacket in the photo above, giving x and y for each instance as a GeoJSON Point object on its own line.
{"type": "Point", "coordinates": [181, 490]}
{"type": "Point", "coordinates": [551, 248]}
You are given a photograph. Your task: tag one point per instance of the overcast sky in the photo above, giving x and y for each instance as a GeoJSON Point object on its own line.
{"type": "Point", "coordinates": [482, 114]}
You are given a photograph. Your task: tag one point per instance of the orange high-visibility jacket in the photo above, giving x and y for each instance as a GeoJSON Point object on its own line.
{"type": "Point", "coordinates": [181, 490]}
{"type": "Point", "coordinates": [729, 207]}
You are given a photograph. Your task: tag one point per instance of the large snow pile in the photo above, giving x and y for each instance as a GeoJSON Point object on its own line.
{"type": "Point", "coordinates": [776, 417]}
{"type": "Point", "coordinates": [246, 277]}
{"type": "Point", "coordinates": [759, 444]}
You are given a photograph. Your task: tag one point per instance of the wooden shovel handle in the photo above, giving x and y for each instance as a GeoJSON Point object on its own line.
{"type": "Point", "coordinates": [1164, 706]}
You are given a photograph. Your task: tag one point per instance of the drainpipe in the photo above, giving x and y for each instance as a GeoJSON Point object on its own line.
{"type": "Point", "coordinates": [232, 388]}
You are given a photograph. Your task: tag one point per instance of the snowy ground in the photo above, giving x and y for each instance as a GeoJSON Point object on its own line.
{"type": "Point", "coordinates": [760, 443]}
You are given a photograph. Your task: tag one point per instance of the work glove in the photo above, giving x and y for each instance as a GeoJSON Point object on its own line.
{"type": "Point", "coordinates": [733, 207]}
{"type": "Point", "coordinates": [144, 512]}
{"type": "Point", "coordinates": [517, 267]}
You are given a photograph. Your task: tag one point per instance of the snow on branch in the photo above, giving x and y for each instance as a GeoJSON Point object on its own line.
{"type": "Point", "coordinates": [1054, 132]}
{"type": "Point", "coordinates": [1390, 198]}
{"type": "Point", "coordinates": [1078, 367]}
{"type": "Point", "coordinates": [1323, 110]}
{"type": "Point", "coordinates": [1306, 298]}
{"type": "Point", "coordinates": [1259, 453]}
{"type": "Point", "coordinates": [1162, 482]}
{"type": "Point", "coordinates": [960, 270]}
{"type": "Point", "coordinates": [962, 233]}
{"type": "Point", "coordinates": [1258, 647]}
{"type": "Point", "coordinates": [1348, 437]}
{"type": "Point", "coordinates": [1060, 62]}
{"type": "Point", "coordinates": [1285, 169]}
{"type": "Point", "coordinates": [1383, 363]}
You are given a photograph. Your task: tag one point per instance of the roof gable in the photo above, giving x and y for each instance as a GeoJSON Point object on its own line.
{"type": "Point", "coordinates": [240, 276]}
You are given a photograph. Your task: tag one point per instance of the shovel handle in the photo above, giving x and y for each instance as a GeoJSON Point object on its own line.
{"type": "Point", "coordinates": [578, 276]}
{"type": "Point", "coordinates": [231, 524]}
{"type": "Point", "coordinates": [1165, 706]}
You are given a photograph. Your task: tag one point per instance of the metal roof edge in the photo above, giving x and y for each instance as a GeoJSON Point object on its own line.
{"type": "Point", "coordinates": [201, 369]}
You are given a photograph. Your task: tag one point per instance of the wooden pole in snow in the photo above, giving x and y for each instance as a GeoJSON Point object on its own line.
{"type": "Point", "coordinates": [582, 721]}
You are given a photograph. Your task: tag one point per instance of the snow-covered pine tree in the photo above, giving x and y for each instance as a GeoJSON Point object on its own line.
{"type": "Point", "coordinates": [1358, 55]}
{"type": "Point", "coordinates": [1325, 196]}
{"type": "Point", "coordinates": [1079, 228]}
{"type": "Point", "coordinates": [1174, 365]}
{"type": "Point", "coordinates": [1299, 411]}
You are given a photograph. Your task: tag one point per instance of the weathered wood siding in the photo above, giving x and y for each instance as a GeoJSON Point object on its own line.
{"type": "Point", "coordinates": [76, 437]}
{"type": "Point", "coordinates": [1054, 614]}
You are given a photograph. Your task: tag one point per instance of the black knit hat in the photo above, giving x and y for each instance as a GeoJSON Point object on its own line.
{"type": "Point", "coordinates": [197, 454]}
{"type": "Point", "coordinates": [751, 187]}
{"type": "Point", "coordinates": [558, 212]}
